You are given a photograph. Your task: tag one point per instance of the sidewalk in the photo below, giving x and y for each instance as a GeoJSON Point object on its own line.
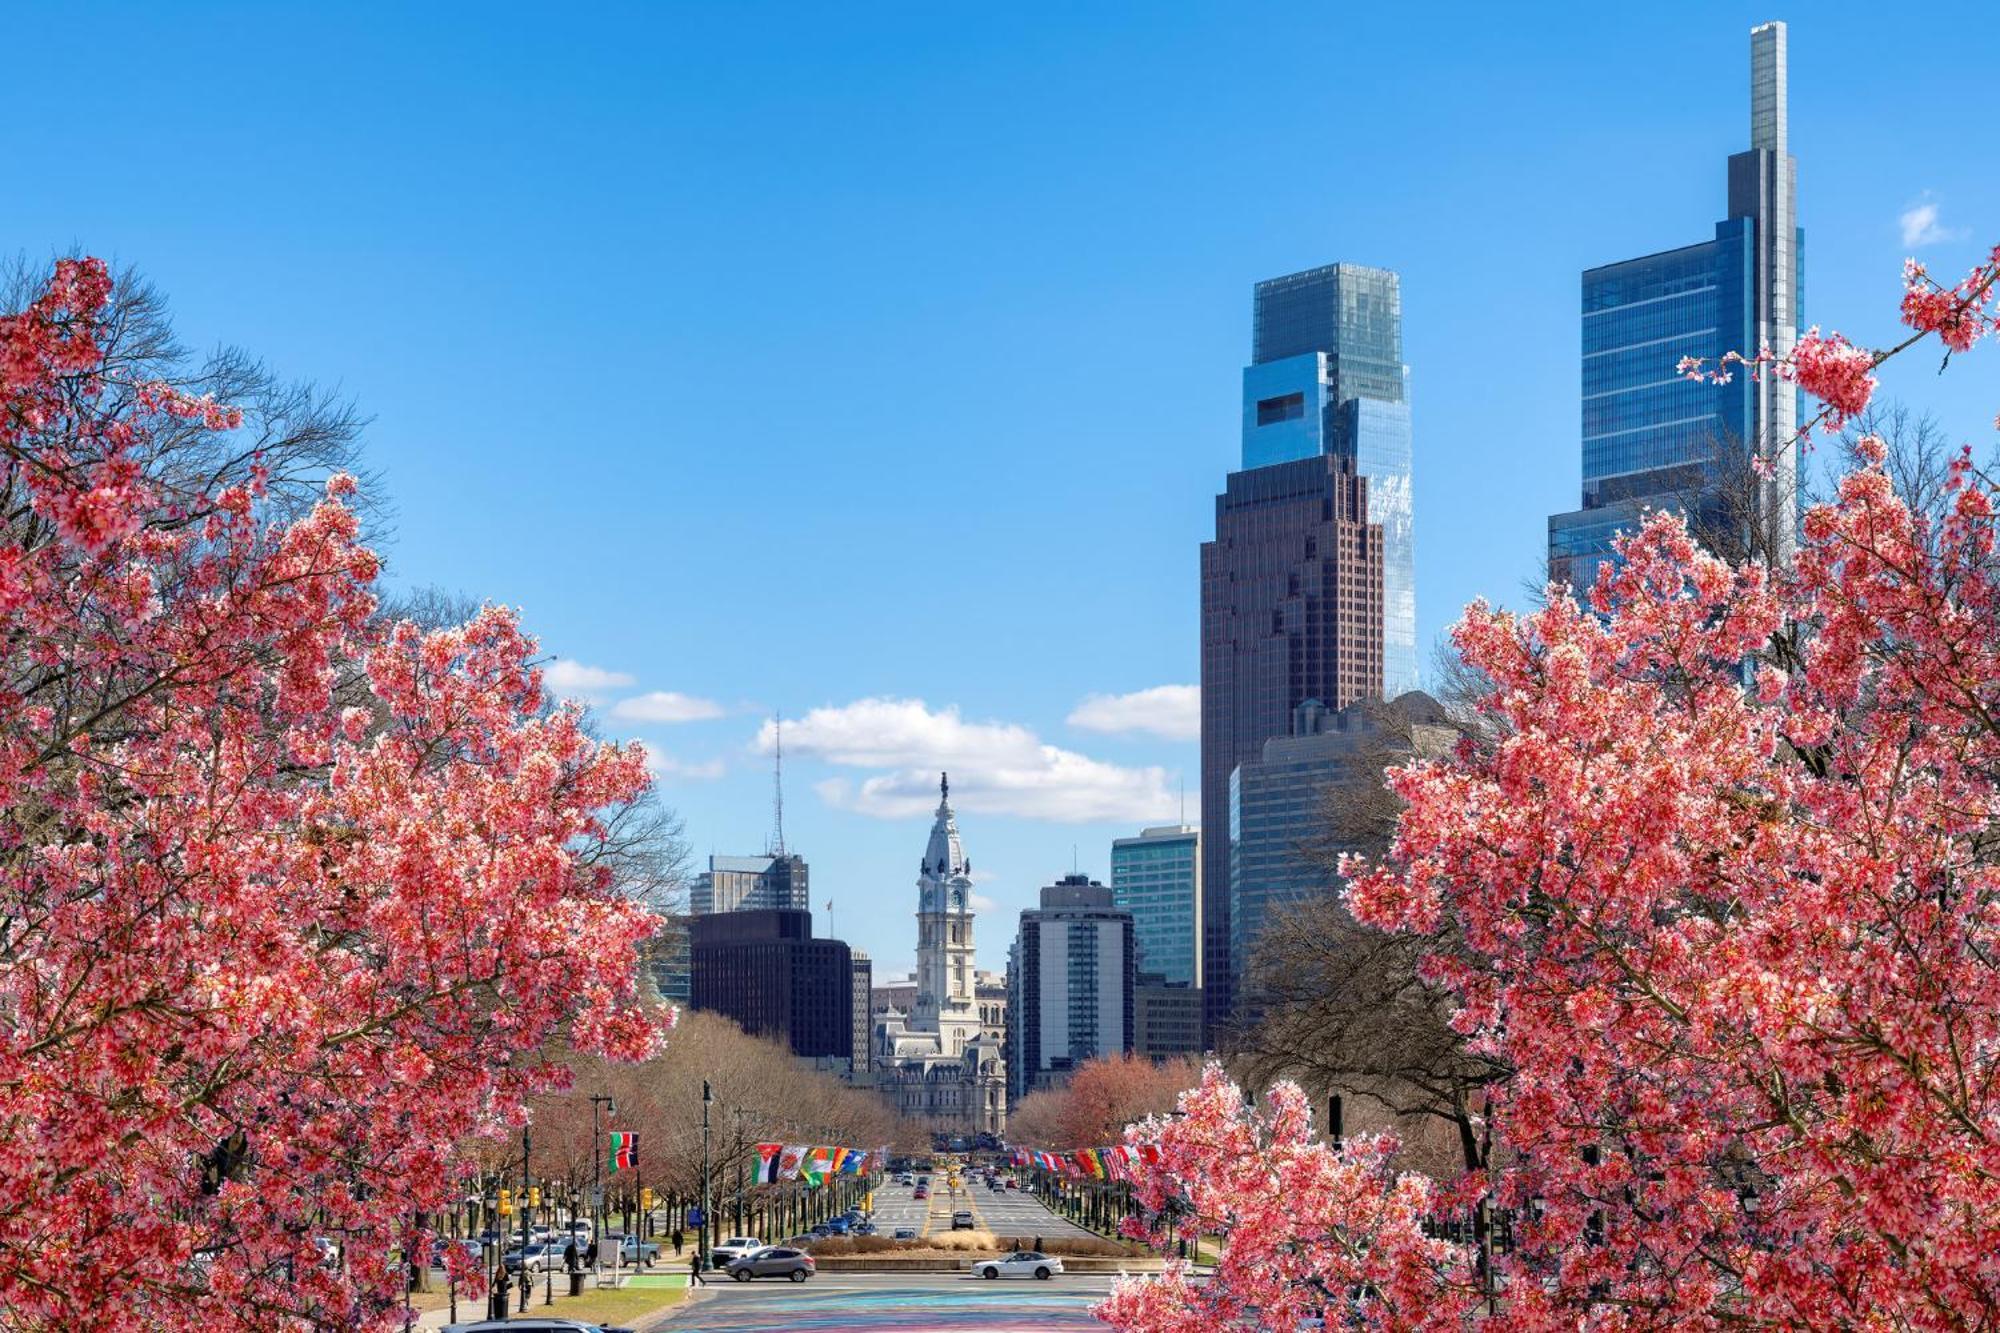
{"type": "Point", "coordinates": [663, 1284]}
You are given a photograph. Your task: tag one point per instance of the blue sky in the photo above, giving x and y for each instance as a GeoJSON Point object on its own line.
{"type": "Point", "coordinates": [882, 360]}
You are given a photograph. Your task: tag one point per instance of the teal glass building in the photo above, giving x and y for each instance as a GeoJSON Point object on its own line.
{"type": "Point", "coordinates": [1157, 878]}
{"type": "Point", "coordinates": [1652, 438]}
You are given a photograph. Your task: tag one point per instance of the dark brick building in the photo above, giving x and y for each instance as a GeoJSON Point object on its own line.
{"type": "Point", "coordinates": [763, 969]}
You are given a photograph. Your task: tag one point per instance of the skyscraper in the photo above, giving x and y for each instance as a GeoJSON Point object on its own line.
{"type": "Point", "coordinates": [1327, 377]}
{"type": "Point", "coordinates": [763, 968]}
{"type": "Point", "coordinates": [1157, 878]}
{"type": "Point", "coordinates": [1291, 610]}
{"type": "Point", "coordinates": [1652, 439]}
{"type": "Point", "coordinates": [751, 883]}
{"type": "Point", "coordinates": [1070, 980]}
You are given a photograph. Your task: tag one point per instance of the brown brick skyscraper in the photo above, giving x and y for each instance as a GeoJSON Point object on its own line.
{"type": "Point", "coordinates": [1291, 609]}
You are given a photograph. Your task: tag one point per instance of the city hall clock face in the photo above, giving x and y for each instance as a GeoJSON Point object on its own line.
{"type": "Point", "coordinates": [957, 898]}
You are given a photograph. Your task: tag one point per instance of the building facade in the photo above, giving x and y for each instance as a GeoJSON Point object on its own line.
{"type": "Point", "coordinates": [1327, 377]}
{"type": "Point", "coordinates": [1280, 852]}
{"type": "Point", "coordinates": [863, 1028]}
{"type": "Point", "coordinates": [936, 1061]}
{"type": "Point", "coordinates": [1166, 1017]}
{"type": "Point", "coordinates": [1157, 878]}
{"type": "Point", "coordinates": [1653, 439]}
{"type": "Point", "coordinates": [751, 883]}
{"type": "Point", "coordinates": [1070, 977]}
{"type": "Point", "coordinates": [1291, 610]}
{"type": "Point", "coordinates": [763, 969]}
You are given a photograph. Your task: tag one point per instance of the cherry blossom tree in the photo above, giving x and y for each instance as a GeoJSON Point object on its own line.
{"type": "Point", "coordinates": [292, 899]}
{"type": "Point", "coordinates": [1723, 895]}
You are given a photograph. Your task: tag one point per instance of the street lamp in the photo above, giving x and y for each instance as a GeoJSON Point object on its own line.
{"type": "Point", "coordinates": [527, 1283]}
{"type": "Point", "coordinates": [597, 1172]}
{"type": "Point", "coordinates": [707, 1204]}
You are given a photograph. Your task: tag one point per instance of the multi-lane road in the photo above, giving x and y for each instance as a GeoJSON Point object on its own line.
{"type": "Point", "coordinates": [947, 1302]}
{"type": "Point", "coordinates": [1002, 1212]}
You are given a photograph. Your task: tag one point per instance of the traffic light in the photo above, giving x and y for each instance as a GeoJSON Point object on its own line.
{"type": "Point", "coordinates": [534, 1196]}
{"type": "Point", "coordinates": [646, 1199]}
{"type": "Point", "coordinates": [506, 1203]}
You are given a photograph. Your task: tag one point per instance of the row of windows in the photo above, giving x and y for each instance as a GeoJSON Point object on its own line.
{"type": "Point", "coordinates": [1650, 278]}
{"type": "Point", "coordinates": [1658, 405]}
{"type": "Point", "coordinates": [1630, 367]}
{"type": "Point", "coordinates": [1664, 445]}
{"type": "Point", "coordinates": [1647, 323]}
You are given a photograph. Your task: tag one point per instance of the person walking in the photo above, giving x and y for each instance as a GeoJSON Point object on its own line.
{"type": "Point", "coordinates": [679, 1239]}
{"type": "Point", "coordinates": [694, 1272]}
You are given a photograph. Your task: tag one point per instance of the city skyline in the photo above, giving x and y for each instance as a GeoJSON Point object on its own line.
{"type": "Point", "coordinates": [952, 628]}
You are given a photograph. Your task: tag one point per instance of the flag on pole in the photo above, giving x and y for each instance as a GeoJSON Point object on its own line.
{"type": "Point", "coordinates": [855, 1162]}
{"type": "Point", "coordinates": [768, 1155]}
{"type": "Point", "coordinates": [624, 1151]}
{"type": "Point", "coordinates": [790, 1160]}
{"type": "Point", "coordinates": [818, 1165]}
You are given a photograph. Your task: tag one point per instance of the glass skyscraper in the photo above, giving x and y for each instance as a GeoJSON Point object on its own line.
{"type": "Point", "coordinates": [1157, 878]}
{"type": "Point", "coordinates": [1652, 439]}
{"type": "Point", "coordinates": [1327, 376]}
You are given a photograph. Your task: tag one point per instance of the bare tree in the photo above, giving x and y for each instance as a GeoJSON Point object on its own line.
{"type": "Point", "coordinates": [299, 433]}
{"type": "Point", "coordinates": [1340, 1007]}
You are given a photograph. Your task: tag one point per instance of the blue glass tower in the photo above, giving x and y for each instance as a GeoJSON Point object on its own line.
{"type": "Point", "coordinates": [1327, 377]}
{"type": "Point", "coordinates": [1652, 439]}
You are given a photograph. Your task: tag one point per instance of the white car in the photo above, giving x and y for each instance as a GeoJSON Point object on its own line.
{"type": "Point", "coordinates": [724, 1253]}
{"type": "Point", "coordinates": [1021, 1263]}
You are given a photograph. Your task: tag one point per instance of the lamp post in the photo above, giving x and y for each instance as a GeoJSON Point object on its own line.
{"type": "Point", "coordinates": [597, 1172]}
{"type": "Point", "coordinates": [707, 1204]}
{"type": "Point", "coordinates": [527, 1283]}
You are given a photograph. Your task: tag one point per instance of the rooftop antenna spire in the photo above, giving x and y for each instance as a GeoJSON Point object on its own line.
{"type": "Point", "coordinates": [778, 784]}
{"type": "Point", "coordinates": [1183, 800]}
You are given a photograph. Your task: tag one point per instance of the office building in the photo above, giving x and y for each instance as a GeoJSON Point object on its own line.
{"type": "Point", "coordinates": [1281, 847]}
{"type": "Point", "coordinates": [1166, 1017]}
{"type": "Point", "coordinates": [1157, 878]}
{"type": "Point", "coordinates": [668, 957]}
{"type": "Point", "coordinates": [1653, 439]}
{"type": "Point", "coordinates": [751, 883]}
{"type": "Point", "coordinates": [1291, 610]}
{"type": "Point", "coordinates": [1327, 377]}
{"type": "Point", "coordinates": [935, 1061]}
{"type": "Point", "coordinates": [762, 968]}
{"type": "Point", "coordinates": [863, 1011]}
{"type": "Point", "coordinates": [1070, 981]}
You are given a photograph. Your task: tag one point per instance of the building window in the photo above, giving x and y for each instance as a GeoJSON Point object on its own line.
{"type": "Point", "coordinates": [1290, 407]}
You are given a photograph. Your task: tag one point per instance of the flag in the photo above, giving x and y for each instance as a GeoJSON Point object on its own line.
{"type": "Point", "coordinates": [624, 1151]}
{"type": "Point", "coordinates": [855, 1162]}
{"type": "Point", "coordinates": [818, 1165]}
{"type": "Point", "coordinates": [1091, 1162]}
{"type": "Point", "coordinates": [790, 1160]}
{"type": "Point", "coordinates": [768, 1156]}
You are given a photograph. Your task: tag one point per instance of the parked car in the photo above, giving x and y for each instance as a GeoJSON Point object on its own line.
{"type": "Point", "coordinates": [726, 1252]}
{"type": "Point", "coordinates": [1021, 1263]}
{"type": "Point", "coordinates": [773, 1261]}
{"type": "Point", "coordinates": [799, 1242]}
{"type": "Point", "coordinates": [906, 1233]}
{"type": "Point", "coordinates": [539, 1257]}
{"type": "Point", "coordinates": [864, 1228]}
{"type": "Point", "coordinates": [839, 1226]}
{"type": "Point", "coordinates": [632, 1250]}
{"type": "Point", "coordinates": [541, 1323]}
{"type": "Point", "coordinates": [474, 1251]}
{"type": "Point", "coordinates": [962, 1220]}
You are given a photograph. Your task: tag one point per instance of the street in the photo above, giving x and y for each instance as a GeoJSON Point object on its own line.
{"type": "Point", "coordinates": [895, 1301]}
{"type": "Point", "coordinates": [1004, 1213]}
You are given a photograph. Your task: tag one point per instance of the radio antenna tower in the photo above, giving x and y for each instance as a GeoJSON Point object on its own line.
{"type": "Point", "coordinates": [778, 784]}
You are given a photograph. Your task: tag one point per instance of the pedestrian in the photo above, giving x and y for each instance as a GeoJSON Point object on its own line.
{"type": "Point", "coordinates": [1038, 1245]}
{"type": "Point", "coordinates": [694, 1271]}
{"type": "Point", "coordinates": [571, 1260]}
{"type": "Point", "coordinates": [679, 1239]}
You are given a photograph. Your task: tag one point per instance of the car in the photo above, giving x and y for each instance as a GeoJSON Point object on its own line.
{"type": "Point", "coordinates": [864, 1228]}
{"type": "Point", "coordinates": [799, 1242]}
{"type": "Point", "coordinates": [773, 1261]}
{"type": "Point", "coordinates": [543, 1323]}
{"type": "Point", "coordinates": [906, 1233]}
{"type": "Point", "coordinates": [723, 1254]}
{"type": "Point", "coordinates": [632, 1250]}
{"type": "Point", "coordinates": [539, 1257]}
{"type": "Point", "coordinates": [962, 1220]}
{"type": "Point", "coordinates": [1012, 1183]}
{"type": "Point", "coordinates": [474, 1252]}
{"type": "Point", "coordinates": [1021, 1263]}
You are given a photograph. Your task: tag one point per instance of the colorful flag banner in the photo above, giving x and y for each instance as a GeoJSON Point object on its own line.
{"type": "Point", "coordinates": [768, 1155]}
{"type": "Point", "coordinates": [624, 1154]}
{"type": "Point", "coordinates": [818, 1165]}
{"type": "Point", "coordinates": [790, 1160]}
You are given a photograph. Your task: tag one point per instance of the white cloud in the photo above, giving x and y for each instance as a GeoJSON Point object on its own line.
{"type": "Point", "coordinates": [997, 767]}
{"type": "Point", "coordinates": [666, 706]}
{"type": "Point", "coordinates": [1920, 225]}
{"type": "Point", "coordinates": [568, 679]}
{"type": "Point", "coordinates": [667, 768]}
{"type": "Point", "coordinates": [1171, 711]}
{"type": "Point", "coordinates": [983, 904]}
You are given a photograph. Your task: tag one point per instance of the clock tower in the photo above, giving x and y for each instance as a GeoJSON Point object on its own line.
{"type": "Point", "coordinates": [946, 1000]}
